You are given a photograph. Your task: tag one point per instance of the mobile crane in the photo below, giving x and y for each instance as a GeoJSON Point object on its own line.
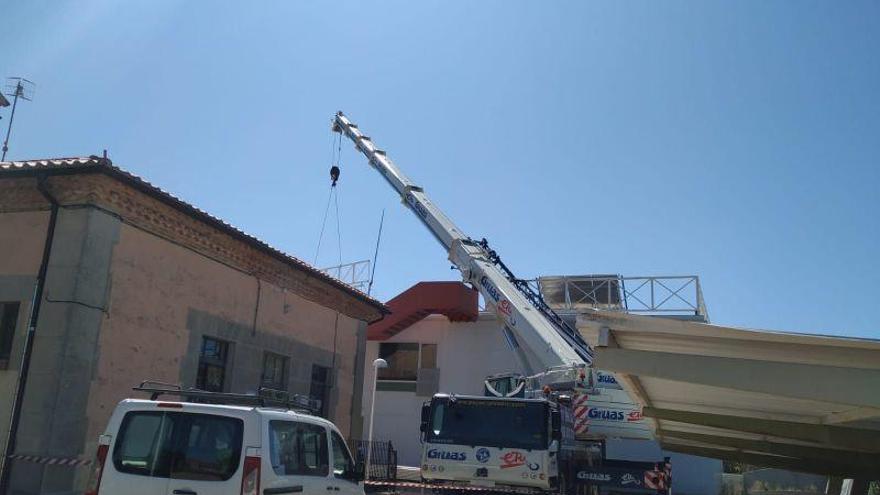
{"type": "Point", "coordinates": [521, 435]}
{"type": "Point", "coordinates": [550, 352]}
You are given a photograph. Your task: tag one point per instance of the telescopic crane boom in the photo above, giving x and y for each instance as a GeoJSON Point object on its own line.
{"type": "Point", "coordinates": [546, 346]}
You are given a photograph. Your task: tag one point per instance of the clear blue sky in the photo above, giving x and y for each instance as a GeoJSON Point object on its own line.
{"type": "Point", "coordinates": [738, 141]}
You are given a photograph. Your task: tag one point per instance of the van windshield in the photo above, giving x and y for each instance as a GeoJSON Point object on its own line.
{"type": "Point", "coordinates": [490, 423]}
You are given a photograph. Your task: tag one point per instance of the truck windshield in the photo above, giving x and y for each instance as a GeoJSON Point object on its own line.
{"type": "Point", "coordinates": [512, 424]}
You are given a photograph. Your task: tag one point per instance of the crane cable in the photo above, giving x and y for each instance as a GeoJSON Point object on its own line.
{"type": "Point", "coordinates": [333, 197]}
{"type": "Point", "coordinates": [323, 225]}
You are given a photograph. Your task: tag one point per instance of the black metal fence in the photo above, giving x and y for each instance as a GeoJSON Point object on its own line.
{"type": "Point", "coordinates": [383, 459]}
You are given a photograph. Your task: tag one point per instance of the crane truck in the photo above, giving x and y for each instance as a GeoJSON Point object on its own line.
{"type": "Point", "coordinates": [520, 435]}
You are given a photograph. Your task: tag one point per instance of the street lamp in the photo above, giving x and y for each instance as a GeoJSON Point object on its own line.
{"type": "Point", "coordinates": [379, 363]}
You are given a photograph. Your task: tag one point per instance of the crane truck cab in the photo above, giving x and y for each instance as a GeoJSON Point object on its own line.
{"type": "Point", "coordinates": [495, 441]}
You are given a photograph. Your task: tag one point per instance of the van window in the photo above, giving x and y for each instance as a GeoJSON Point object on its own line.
{"type": "Point", "coordinates": [143, 445]}
{"type": "Point", "coordinates": [179, 445]}
{"type": "Point", "coordinates": [209, 448]}
{"type": "Point", "coordinates": [342, 463]}
{"type": "Point", "coordinates": [298, 449]}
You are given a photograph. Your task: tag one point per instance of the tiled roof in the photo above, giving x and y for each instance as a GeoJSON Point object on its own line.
{"type": "Point", "coordinates": [60, 166]}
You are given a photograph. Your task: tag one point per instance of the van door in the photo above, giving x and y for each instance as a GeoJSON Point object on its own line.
{"type": "Point", "coordinates": [207, 455]}
{"type": "Point", "coordinates": [298, 458]}
{"type": "Point", "coordinates": [141, 455]}
{"type": "Point", "coordinates": [343, 467]}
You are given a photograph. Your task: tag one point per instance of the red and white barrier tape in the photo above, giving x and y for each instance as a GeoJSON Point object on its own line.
{"type": "Point", "coordinates": [51, 461]}
{"type": "Point", "coordinates": [411, 484]}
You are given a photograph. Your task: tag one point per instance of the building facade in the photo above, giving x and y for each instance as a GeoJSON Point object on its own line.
{"type": "Point", "coordinates": [139, 285]}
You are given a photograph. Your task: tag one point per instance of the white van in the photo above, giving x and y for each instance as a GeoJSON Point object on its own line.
{"type": "Point", "coordinates": [153, 447]}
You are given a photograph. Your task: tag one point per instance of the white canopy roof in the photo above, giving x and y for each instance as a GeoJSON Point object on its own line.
{"type": "Point", "coordinates": [794, 401]}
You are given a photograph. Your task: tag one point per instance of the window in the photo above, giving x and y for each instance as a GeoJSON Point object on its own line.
{"type": "Point", "coordinates": [179, 445]}
{"type": "Point", "coordinates": [210, 448]}
{"type": "Point", "coordinates": [212, 364]}
{"type": "Point", "coordinates": [320, 385]}
{"type": "Point", "coordinates": [343, 465]}
{"type": "Point", "coordinates": [274, 371]}
{"type": "Point", "coordinates": [405, 360]}
{"type": "Point", "coordinates": [143, 446]}
{"type": "Point", "coordinates": [298, 449]}
{"type": "Point", "coordinates": [8, 317]}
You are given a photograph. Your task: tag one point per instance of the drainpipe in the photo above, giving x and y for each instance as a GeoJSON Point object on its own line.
{"type": "Point", "coordinates": [29, 336]}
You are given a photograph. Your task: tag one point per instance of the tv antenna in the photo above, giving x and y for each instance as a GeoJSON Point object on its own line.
{"type": "Point", "coordinates": [16, 87]}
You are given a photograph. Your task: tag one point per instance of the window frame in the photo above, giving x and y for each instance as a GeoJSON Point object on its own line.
{"type": "Point", "coordinates": [299, 470]}
{"type": "Point", "coordinates": [419, 362]}
{"type": "Point", "coordinates": [206, 362]}
{"type": "Point", "coordinates": [8, 328]}
{"type": "Point", "coordinates": [285, 366]}
{"type": "Point", "coordinates": [346, 473]}
{"type": "Point", "coordinates": [325, 387]}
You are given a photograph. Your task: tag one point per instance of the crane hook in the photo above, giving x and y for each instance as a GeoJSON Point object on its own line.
{"type": "Point", "coordinates": [334, 175]}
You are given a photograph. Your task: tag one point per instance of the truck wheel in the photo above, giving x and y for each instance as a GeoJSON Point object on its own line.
{"type": "Point", "coordinates": [562, 489]}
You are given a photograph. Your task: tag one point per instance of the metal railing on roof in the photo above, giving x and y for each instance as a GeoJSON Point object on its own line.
{"type": "Point", "coordinates": [355, 274]}
{"type": "Point", "coordinates": [675, 295]}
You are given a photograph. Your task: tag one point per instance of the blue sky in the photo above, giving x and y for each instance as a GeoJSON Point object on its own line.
{"type": "Point", "coordinates": [735, 141]}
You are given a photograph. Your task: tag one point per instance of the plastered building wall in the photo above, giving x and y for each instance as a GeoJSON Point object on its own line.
{"type": "Point", "coordinates": [466, 354]}
{"type": "Point", "coordinates": [21, 243]}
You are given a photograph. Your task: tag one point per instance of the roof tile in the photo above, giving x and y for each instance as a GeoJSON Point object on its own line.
{"type": "Point", "coordinates": [96, 163]}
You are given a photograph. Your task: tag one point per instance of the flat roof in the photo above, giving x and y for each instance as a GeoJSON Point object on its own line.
{"type": "Point", "coordinates": [789, 400]}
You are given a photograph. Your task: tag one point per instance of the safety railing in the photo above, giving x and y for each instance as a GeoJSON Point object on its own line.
{"type": "Point", "coordinates": [355, 274]}
{"type": "Point", "coordinates": [383, 459]}
{"type": "Point", "coordinates": [676, 295]}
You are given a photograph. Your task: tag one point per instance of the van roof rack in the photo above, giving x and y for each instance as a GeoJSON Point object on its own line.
{"type": "Point", "coordinates": [265, 397]}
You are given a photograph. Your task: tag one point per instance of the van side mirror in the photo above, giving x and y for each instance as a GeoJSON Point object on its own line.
{"type": "Point", "coordinates": [359, 473]}
{"type": "Point", "coordinates": [426, 417]}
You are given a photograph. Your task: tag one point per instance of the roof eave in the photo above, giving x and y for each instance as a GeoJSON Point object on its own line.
{"type": "Point", "coordinates": [105, 166]}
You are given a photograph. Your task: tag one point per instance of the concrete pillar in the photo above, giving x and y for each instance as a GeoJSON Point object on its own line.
{"type": "Point", "coordinates": [54, 422]}
{"type": "Point", "coordinates": [356, 429]}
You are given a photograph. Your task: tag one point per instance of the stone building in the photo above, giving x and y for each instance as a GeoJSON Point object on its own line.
{"type": "Point", "coordinates": [140, 285]}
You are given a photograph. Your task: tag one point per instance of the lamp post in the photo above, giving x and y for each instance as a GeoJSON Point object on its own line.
{"type": "Point", "coordinates": [379, 363]}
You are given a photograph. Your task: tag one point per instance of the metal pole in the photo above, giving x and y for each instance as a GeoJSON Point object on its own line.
{"type": "Point", "coordinates": [33, 318]}
{"type": "Point", "coordinates": [18, 91]}
{"type": "Point", "coordinates": [370, 430]}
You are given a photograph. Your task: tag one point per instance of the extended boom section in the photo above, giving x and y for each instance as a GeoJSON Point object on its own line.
{"type": "Point", "coordinates": [543, 342]}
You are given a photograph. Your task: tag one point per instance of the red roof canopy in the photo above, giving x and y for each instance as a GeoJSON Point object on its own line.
{"type": "Point", "coordinates": [455, 300]}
